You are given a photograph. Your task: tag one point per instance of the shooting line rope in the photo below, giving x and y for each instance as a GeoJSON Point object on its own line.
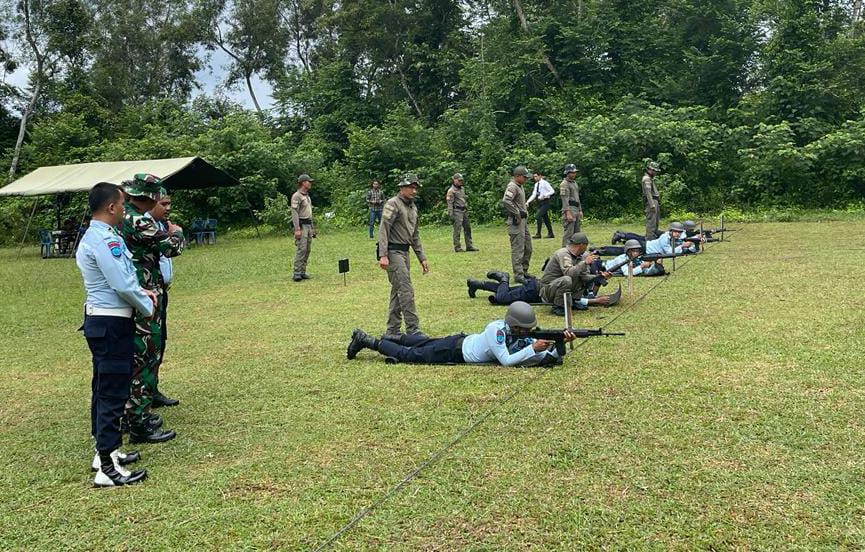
{"type": "Point", "coordinates": [438, 454]}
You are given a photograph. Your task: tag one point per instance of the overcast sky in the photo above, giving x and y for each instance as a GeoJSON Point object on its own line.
{"type": "Point", "coordinates": [209, 79]}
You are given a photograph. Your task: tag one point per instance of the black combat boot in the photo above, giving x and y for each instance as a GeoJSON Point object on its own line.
{"type": "Point", "coordinates": [360, 340]}
{"type": "Point", "coordinates": [474, 286]}
{"type": "Point", "coordinates": [154, 421]}
{"type": "Point", "coordinates": [141, 432]}
{"type": "Point", "coordinates": [109, 476]}
{"type": "Point", "coordinates": [500, 277]}
{"type": "Point", "coordinates": [161, 400]}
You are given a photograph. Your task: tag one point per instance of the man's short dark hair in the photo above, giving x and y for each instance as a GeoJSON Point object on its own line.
{"type": "Point", "coordinates": [376, 181]}
{"type": "Point", "coordinates": [539, 173]}
{"type": "Point", "coordinates": [102, 194]}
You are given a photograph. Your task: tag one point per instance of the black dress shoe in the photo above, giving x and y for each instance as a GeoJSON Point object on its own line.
{"type": "Point", "coordinates": [147, 435]}
{"type": "Point", "coordinates": [472, 248]}
{"type": "Point", "coordinates": [160, 400]}
{"type": "Point", "coordinates": [108, 476]}
{"type": "Point", "coordinates": [499, 276]}
{"type": "Point", "coordinates": [474, 286]}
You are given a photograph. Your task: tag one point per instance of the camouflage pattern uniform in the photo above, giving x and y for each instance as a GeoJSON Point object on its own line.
{"type": "Point", "coordinates": [458, 213]}
{"type": "Point", "coordinates": [514, 203]}
{"type": "Point", "coordinates": [146, 241]}
{"type": "Point", "coordinates": [570, 193]}
{"type": "Point", "coordinates": [397, 232]}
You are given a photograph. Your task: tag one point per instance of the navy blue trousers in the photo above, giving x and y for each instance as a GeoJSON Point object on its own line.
{"type": "Point", "coordinates": [415, 349]}
{"type": "Point", "coordinates": [505, 294]}
{"type": "Point", "coordinates": [111, 342]}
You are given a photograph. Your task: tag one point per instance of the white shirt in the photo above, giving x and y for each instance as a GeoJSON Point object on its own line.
{"type": "Point", "coordinates": [492, 345]}
{"type": "Point", "coordinates": [542, 191]}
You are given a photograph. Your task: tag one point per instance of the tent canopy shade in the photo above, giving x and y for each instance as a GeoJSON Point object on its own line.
{"type": "Point", "coordinates": [183, 173]}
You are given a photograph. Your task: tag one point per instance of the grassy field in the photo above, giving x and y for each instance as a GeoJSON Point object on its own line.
{"type": "Point", "coordinates": [729, 417]}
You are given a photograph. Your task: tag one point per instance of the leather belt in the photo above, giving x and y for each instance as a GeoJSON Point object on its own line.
{"type": "Point", "coordinates": [573, 203]}
{"type": "Point", "coordinates": [305, 222]}
{"type": "Point", "coordinates": [397, 247]}
{"type": "Point", "coordinates": [120, 312]}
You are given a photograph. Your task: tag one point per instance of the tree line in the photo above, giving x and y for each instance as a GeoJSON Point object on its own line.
{"type": "Point", "coordinates": [746, 103]}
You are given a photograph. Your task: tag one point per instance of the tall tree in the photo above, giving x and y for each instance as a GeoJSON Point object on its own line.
{"type": "Point", "coordinates": [52, 32]}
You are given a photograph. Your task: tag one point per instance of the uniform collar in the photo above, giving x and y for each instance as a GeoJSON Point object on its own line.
{"type": "Point", "coordinates": [103, 225]}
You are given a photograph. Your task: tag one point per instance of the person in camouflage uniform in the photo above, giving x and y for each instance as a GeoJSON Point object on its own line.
{"type": "Point", "coordinates": [146, 241]}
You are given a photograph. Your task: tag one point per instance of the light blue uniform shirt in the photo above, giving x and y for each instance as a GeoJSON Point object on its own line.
{"type": "Point", "coordinates": [109, 276]}
{"type": "Point", "coordinates": [624, 268]}
{"type": "Point", "coordinates": [166, 265]}
{"type": "Point", "coordinates": [662, 246]}
{"type": "Point", "coordinates": [491, 345]}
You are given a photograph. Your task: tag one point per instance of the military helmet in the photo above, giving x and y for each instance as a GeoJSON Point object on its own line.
{"type": "Point", "coordinates": [689, 225]}
{"type": "Point", "coordinates": [632, 244]}
{"type": "Point", "coordinates": [677, 226]}
{"type": "Point", "coordinates": [578, 238]}
{"type": "Point", "coordinates": [570, 167]}
{"type": "Point", "coordinates": [522, 315]}
{"type": "Point", "coordinates": [458, 176]}
{"type": "Point", "coordinates": [654, 166]}
{"type": "Point", "coordinates": [304, 178]}
{"type": "Point", "coordinates": [521, 170]}
{"type": "Point", "coordinates": [145, 185]}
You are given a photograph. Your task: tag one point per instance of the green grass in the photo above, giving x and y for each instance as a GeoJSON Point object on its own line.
{"type": "Point", "coordinates": [730, 416]}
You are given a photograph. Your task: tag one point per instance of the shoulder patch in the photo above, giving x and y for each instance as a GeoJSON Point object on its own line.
{"type": "Point", "coordinates": [115, 248]}
{"type": "Point", "coordinates": [500, 336]}
{"type": "Point", "coordinates": [509, 194]}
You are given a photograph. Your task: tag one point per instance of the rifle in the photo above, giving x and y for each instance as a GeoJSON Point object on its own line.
{"type": "Point", "coordinates": [559, 336]}
{"type": "Point", "coordinates": [656, 256]}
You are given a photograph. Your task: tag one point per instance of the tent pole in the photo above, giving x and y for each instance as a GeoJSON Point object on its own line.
{"type": "Point", "coordinates": [78, 235]}
{"type": "Point", "coordinates": [251, 212]}
{"type": "Point", "coordinates": [27, 229]}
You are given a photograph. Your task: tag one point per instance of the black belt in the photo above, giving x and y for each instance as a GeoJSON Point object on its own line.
{"type": "Point", "coordinates": [397, 247]}
{"type": "Point", "coordinates": [459, 351]}
{"type": "Point", "coordinates": [656, 198]}
{"type": "Point", "coordinates": [459, 208]}
{"type": "Point", "coordinates": [305, 222]}
{"type": "Point", "coordinates": [573, 203]}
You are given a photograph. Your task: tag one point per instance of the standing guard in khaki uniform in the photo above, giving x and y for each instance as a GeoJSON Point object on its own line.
{"type": "Point", "coordinates": [651, 200]}
{"type": "Point", "coordinates": [397, 233]}
{"type": "Point", "coordinates": [514, 203]}
{"type": "Point", "coordinates": [459, 214]}
{"type": "Point", "coordinates": [304, 230]}
{"type": "Point", "coordinates": [568, 270]}
{"type": "Point", "coordinates": [572, 209]}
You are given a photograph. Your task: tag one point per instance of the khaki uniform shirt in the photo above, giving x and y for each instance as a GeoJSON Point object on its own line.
{"type": "Point", "coordinates": [559, 264]}
{"type": "Point", "coordinates": [456, 199]}
{"type": "Point", "coordinates": [570, 193]}
{"type": "Point", "coordinates": [301, 208]}
{"type": "Point", "coordinates": [514, 202]}
{"type": "Point", "coordinates": [650, 192]}
{"type": "Point", "coordinates": [399, 225]}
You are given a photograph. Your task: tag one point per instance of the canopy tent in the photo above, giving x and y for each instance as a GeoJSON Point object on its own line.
{"type": "Point", "coordinates": [182, 173]}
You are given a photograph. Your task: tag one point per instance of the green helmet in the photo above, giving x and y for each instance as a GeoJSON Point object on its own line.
{"type": "Point", "coordinates": [304, 178]}
{"type": "Point", "coordinates": [521, 170]}
{"type": "Point", "coordinates": [578, 238]}
{"type": "Point", "coordinates": [145, 185]}
{"type": "Point", "coordinates": [522, 315]}
{"type": "Point", "coordinates": [410, 179]}
{"type": "Point", "coordinates": [632, 244]}
{"type": "Point", "coordinates": [458, 176]}
{"type": "Point", "coordinates": [690, 225]}
{"type": "Point", "coordinates": [677, 226]}
{"type": "Point", "coordinates": [654, 166]}
{"type": "Point", "coordinates": [570, 167]}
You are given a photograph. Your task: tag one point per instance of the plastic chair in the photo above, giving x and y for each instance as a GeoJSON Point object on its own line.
{"type": "Point", "coordinates": [209, 232]}
{"type": "Point", "coordinates": [196, 229]}
{"type": "Point", "coordinates": [46, 244]}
